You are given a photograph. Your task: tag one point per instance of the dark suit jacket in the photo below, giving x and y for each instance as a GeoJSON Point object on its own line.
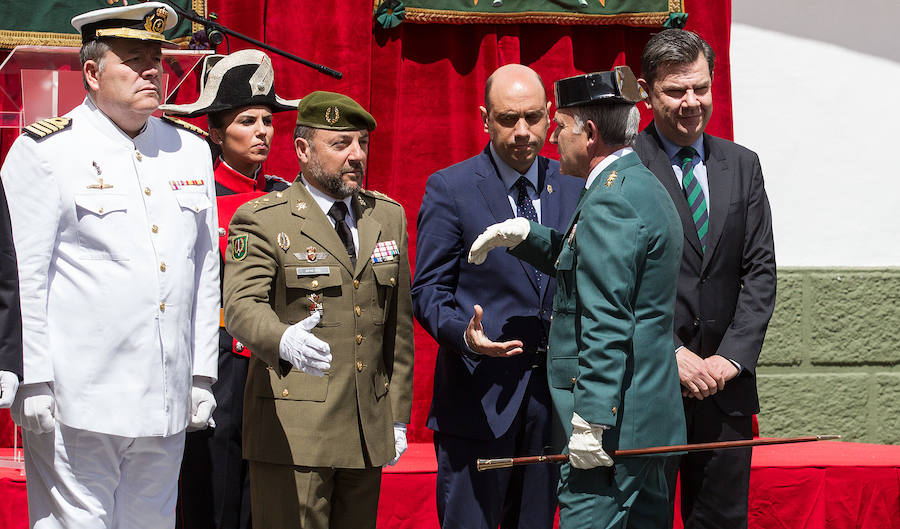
{"type": "Point", "coordinates": [725, 296]}
{"type": "Point", "coordinates": [10, 312]}
{"type": "Point", "coordinates": [478, 397]}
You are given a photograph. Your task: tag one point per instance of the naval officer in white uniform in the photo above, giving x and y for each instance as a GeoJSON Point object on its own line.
{"type": "Point", "coordinates": [114, 219]}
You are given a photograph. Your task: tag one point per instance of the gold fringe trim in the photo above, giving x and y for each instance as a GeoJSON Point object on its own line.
{"type": "Point", "coordinates": [10, 39]}
{"type": "Point", "coordinates": [428, 16]}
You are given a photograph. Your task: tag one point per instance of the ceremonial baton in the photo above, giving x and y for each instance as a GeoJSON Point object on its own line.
{"type": "Point", "coordinates": [504, 462]}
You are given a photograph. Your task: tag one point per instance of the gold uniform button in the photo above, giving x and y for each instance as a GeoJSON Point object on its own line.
{"type": "Point", "coordinates": [614, 410]}
{"type": "Point", "coordinates": [137, 154]}
{"type": "Point", "coordinates": [358, 339]}
{"type": "Point", "coordinates": [315, 283]}
{"type": "Point", "coordinates": [387, 385]}
{"type": "Point", "coordinates": [557, 263]}
{"type": "Point", "coordinates": [154, 228]}
{"type": "Point", "coordinates": [356, 283]}
{"type": "Point", "coordinates": [162, 306]}
{"type": "Point", "coordinates": [573, 380]}
{"type": "Point", "coordinates": [285, 392]}
{"type": "Point", "coordinates": [147, 191]}
{"type": "Point", "coordinates": [357, 310]}
{"type": "Point", "coordinates": [393, 281]}
{"type": "Point", "coordinates": [100, 211]}
{"type": "Point", "coordinates": [279, 194]}
{"type": "Point", "coordinates": [360, 365]}
{"type": "Point", "coordinates": [162, 267]}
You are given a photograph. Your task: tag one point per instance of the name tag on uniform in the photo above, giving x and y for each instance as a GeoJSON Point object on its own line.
{"type": "Point", "coordinates": [313, 271]}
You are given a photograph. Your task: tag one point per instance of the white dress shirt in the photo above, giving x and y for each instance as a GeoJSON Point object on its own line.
{"type": "Point", "coordinates": [119, 273]}
{"type": "Point", "coordinates": [325, 202]}
{"type": "Point", "coordinates": [510, 176]}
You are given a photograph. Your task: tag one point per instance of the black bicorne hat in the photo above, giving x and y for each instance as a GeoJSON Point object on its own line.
{"type": "Point", "coordinates": [242, 79]}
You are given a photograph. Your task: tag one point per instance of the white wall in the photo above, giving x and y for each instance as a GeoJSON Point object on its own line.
{"type": "Point", "coordinates": [816, 93]}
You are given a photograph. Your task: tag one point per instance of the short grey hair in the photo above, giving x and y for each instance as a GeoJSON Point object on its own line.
{"type": "Point", "coordinates": [94, 50]}
{"type": "Point", "coordinates": [305, 132]}
{"type": "Point", "coordinates": [674, 46]}
{"type": "Point", "coordinates": [616, 123]}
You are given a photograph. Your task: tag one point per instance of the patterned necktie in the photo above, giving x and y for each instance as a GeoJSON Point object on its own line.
{"type": "Point", "coordinates": [339, 212]}
{"type": "Point", "coordinates": [525, 208]}
{"type": "Point", "coordinates": [694, 193]}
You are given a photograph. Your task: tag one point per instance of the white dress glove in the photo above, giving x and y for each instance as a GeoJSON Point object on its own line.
{"type": "Point", "coordinates": [508, 233]}
{"type": "Point", "coordinates": [9, 383]}
{"type": "Point", "coordinates": [303, 350]}
{"type": "Point", "coordinates": [586, 445]}
{"type": "Point", "coordinates": [34, 408]}
{"type": "Point", "coordinates": [203, 404]}
{"type": "Point", "coordinates": [399, 442]}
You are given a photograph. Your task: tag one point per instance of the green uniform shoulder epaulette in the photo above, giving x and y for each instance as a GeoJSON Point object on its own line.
{"type": "Point", "coordinates": [266, 201]}
{"type": "Point", "coordinates": [45, 127]}
{"type": "Point", "coordinates": [612, 179]}
{"type": "Point", "coordinates": [379, 194]}
{"type": "Point", "coordinates": [180, 123]}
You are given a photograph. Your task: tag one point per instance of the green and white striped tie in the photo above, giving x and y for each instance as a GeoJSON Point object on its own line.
{"type": "Point", "coordinates": [694, 193]}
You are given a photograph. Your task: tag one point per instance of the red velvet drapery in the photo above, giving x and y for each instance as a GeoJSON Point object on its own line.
{"type": "Point", "coordinates": [424, 84]}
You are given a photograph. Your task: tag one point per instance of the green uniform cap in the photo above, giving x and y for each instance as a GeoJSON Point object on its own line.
{"type": "Point", "coordinates": [331, 111]}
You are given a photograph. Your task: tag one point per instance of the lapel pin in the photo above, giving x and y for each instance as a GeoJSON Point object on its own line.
{"type": "Point", "coordinates": [549, 188]}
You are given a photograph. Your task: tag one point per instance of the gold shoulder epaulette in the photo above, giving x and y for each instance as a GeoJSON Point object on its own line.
{"type": "Point", "coordinates": [45, 127]}
{"type": "Point", "coordinates": [379, 194]}
{"type": "Point", "coordinates": [185, 125]}
{"type": "Point", "coordinates": [266, 201]}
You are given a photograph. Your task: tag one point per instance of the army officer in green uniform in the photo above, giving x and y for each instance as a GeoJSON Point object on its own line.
{"type": "Point", "coordinates": [317, 286]}
{"type": "Point", "coordinates": [611, 368]}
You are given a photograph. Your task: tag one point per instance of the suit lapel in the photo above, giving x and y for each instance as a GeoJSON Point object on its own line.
{"type": "Point", "coordinates": [550, 210]}
{"type": "Point", "coordinates": [368, 228]}
{"type": "Point", "coordinates": [496, 196]}
{"type": "Point", "coordinates": [720, 181]}
{"type": "Point", "coordinates": [659, 164]}
{"type": "Point", "coordinates": [314, 224]}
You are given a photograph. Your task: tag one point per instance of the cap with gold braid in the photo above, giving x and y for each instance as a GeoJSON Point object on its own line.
{"type": "Point", "coordinates": [331, 111]}
{"type": "Point", "coordinates": [616, 86]}
{"type": "Point", "coordinates": [145, 21]}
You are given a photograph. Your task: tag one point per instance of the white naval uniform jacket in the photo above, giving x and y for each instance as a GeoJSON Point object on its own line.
{"type": "Point", "coordinates": [119, 279]}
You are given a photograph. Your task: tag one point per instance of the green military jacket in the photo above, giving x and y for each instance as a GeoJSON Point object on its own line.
{"type": "Point", "coordinates": [611, 356]}
{"type": "Point", "coordinates": [285, 259]}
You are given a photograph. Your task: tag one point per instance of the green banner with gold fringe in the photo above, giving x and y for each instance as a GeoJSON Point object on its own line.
{"type": "Point", "coordinates": [47, 22]}
{"type": "Point", "coordinates": [390, 13]}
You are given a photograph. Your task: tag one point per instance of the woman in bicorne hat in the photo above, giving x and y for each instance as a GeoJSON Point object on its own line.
{"type": "Point", "coordinates": [238, 101]}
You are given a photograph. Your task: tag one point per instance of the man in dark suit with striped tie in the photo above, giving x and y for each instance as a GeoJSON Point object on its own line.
{"type": "Point", "coordinates": [726, 287]}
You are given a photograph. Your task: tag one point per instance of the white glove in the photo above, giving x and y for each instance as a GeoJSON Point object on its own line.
{"type": "Point", "coordinates": [399, 442]}
{"type": "Point", "coordinates": [586, 445]}
{"type": "Point", "coordinates": [9, 383]}
{"type": "Point", "coordinates": [508, 233]}
{"type": "Point", "coordinates": [303, 350]}
{"type": "Point", "coordinates": [34, 408]}
{"type": "Point", "coordinates": [203, 403]}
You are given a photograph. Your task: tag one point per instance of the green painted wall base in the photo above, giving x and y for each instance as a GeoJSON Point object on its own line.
{"type": "Point", "coordinates": [831, 360]}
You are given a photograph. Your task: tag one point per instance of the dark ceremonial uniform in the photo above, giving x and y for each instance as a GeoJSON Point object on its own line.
{"type": "Point", "coordinates": [10, 313]}
{"type": "Point", "coordinates": [215, 480]}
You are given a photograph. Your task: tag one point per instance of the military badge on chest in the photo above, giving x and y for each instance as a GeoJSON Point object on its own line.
{"type": "Point", "coordinates": [312, 255]}
{"type": "Point", "coordinates": [385, 251]}
{"type": "Point", "coordinates": [315, 303]}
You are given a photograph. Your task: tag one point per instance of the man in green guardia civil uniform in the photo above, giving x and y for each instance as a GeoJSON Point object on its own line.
{"type": "Point", "coordinates": [612, 374]}
{"type": "Point", "coordinates": [317, 287]}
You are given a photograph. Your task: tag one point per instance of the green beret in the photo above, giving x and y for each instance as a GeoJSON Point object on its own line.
{"type": "Point", "coordinates": [331, 111]}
